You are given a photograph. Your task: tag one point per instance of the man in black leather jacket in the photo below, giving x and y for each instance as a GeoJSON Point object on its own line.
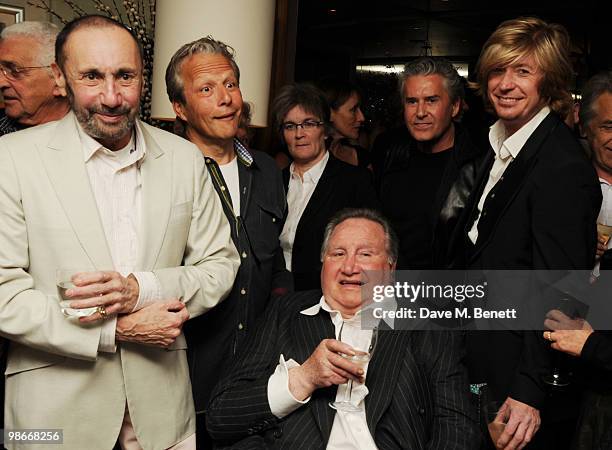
{"type": "Point", "coordinates": [425, 172]}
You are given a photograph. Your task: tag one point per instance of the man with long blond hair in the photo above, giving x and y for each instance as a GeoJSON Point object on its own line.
{"type": "Point", "coordinates": [534, 208]}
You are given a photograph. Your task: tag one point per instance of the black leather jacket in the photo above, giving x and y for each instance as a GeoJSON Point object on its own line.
{"type": "Point", "coordinates": [392, 151]}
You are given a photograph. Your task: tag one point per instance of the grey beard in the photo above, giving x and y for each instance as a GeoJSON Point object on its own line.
{"type": "Point", "coordinates": [87, 119]}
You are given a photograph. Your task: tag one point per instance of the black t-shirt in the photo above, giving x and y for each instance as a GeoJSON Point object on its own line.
{"type": "Point", "coordinates": [408, 194]}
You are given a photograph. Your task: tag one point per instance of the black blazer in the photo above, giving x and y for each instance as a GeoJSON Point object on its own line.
{"type": "Point", "coordinates": [418, 391]}
{"type": "Point", "coordinates": [540, 215]}
{"type": "Point", "coordinates": [340, 186]}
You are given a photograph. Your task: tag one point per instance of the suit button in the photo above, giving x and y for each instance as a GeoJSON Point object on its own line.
{"type": "Point", "coordinates": [421, 411]}
{"type": "Point", "coordinates": [273, 219]}
{"type": "Point", "coordinates": [501, 178]}
{"type": "Point", "coordinates": [244, 255]}
{"type": "Point", "coordinates": [243, 291]}
{"type": "Point", "coordinates": [492, 195]}
{"type": "Point", "coordinates": [278, 433]}
{"type": "Point", "coordinates": [240, 326]}
{"type": "Point", "coordinates": [484, 214]}
{"type": "Point", "coordinates": [223, 188]}
{"type": "Point", "coordinates": [250, 431]}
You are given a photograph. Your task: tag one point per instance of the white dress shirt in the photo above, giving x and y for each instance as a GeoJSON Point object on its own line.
{"type": "Point", "coordinates": [298, 195]}
{"type": "Point", "coordinates": [605, 213]}
{"type": "Point", "coordinates": [350, 429]}
{"type": "Point", "coordinates": [117, 187]}
{"type": "Point", "coordinates": [506, 150]}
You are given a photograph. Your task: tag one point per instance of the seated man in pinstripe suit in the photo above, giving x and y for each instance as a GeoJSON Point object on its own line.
{"type": "Point", "coordinates": [278, 390]}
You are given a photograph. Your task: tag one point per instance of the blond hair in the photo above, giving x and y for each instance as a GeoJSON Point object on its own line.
{"type": "Point", "coordinates": [548, 43]}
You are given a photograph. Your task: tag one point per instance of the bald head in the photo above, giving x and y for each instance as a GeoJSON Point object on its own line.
{"type": "Point", "coordinates": [92, 21]}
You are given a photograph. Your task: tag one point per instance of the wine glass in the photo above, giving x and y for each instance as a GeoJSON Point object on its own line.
{"type": "Point", "coordinates": [558, 378]}
{"type": "Point", "coordinates": [63, 281]}
{"type": "Point", "coordinates": [361, 358]}
{"type": "Point", "coordinates": [605, 231]}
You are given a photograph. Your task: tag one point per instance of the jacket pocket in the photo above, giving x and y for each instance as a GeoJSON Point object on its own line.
{"type": "Point", "coordinates": [23, 358]}
{"type": "Point", "coordinates": [265, 239]}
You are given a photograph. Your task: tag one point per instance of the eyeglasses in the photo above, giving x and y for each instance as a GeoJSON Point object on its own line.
{"type": "Point", "coordinates": [14, 73]}
{"type": "Point", "coordinates": [307, 125]}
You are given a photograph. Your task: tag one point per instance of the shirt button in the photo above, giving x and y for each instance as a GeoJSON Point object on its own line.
{"type": "Point", "coordinates": [222, 188]}
{"type": "Point", "coordinates": [243, 291]}
{"type": "Point", "coordinates": [240, 326]}
{"type": "Point", "coordinates": [244, 255]}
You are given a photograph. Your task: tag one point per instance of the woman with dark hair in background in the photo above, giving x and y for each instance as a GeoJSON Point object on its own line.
{"type": "Point", "coordinates": [346, 117]}
{"type": "Point", "coordinates": [318, 184]}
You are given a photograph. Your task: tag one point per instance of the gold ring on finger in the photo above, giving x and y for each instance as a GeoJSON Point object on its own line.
{"type": "Point", "coordinates": [102, 311]}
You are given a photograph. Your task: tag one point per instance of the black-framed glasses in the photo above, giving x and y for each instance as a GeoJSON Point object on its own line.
{"type": "Point", "coordinates": [14, 73]}
{"type": "Point", "coordinates": [307, 125]}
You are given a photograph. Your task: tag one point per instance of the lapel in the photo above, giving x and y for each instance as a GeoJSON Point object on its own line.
{"type": "Point", "coordinates": [320, 195]}
{"type": "Point", "coordinates": [62, 156]}
{"type": "Point", "coordinates": [509, 185]}
{"type": "Point", "coordinates": [479, 185]}
{"type": "Point", "coordinates": [156, 173]}
{"type": "Point", "coordinates": [309, 331]}
{"type": "Point", "coordinates": [382, 374]}
{"type": "Point", "coordinates": [286, 175]}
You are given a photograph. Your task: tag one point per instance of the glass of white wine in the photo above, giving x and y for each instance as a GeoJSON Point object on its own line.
{"type": "Point", "coordinates": [605, 231]}
{"type": "Point", "coordinates": [361, 358]}
{"type": "Point", "coordinates": [63, 280]}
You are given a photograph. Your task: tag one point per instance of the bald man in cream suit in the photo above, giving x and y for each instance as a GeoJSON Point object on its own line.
{"type": "Point", "coordinates": [99, 191]}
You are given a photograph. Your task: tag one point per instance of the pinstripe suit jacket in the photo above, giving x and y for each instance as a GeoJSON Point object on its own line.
{"type": "Point", "coordinates": [418, 390]}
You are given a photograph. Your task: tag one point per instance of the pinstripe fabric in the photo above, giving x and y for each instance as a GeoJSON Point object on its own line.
{"type": "Point", "coordinates": [418, 388]}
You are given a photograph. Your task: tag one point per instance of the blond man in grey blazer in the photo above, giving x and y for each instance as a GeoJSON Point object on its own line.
{"type": "Point", "coordinates": [133, 209]}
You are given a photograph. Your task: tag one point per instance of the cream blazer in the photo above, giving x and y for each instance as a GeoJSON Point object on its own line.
{"type": "Point", "coordinates": [56, 378]}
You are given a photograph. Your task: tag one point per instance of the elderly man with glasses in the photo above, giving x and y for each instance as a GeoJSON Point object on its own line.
{"type": "Point", "coordinates": [31, 96]}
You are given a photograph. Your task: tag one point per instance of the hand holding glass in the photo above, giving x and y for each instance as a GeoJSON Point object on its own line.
{"type": "Point", "coordinates": [64, 282]}
{"type": "Point", "coordinates": [361, 359]}
{"type": "Point", "coordinates": [495, 419]}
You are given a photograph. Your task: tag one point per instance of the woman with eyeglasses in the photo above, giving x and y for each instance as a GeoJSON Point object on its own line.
{"type": "Point", "coordinates": [318, 185]}
{"type": "Point", "coordinates": [347, 119]}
